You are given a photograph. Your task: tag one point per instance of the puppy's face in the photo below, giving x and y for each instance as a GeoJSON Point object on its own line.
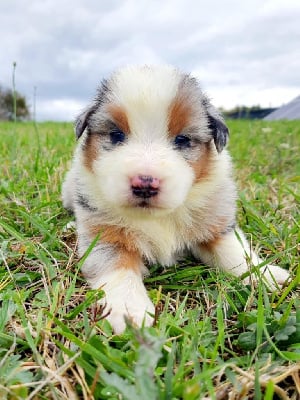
{"type": "Point", "coordinates": [151, 134]}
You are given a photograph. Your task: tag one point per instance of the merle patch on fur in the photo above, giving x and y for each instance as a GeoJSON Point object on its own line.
{"type": "Point", "coordinates": [84, 203]}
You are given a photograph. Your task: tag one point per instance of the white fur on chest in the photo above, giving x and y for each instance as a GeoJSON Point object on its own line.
{"type": "Point", "coordinates": [158, 240]}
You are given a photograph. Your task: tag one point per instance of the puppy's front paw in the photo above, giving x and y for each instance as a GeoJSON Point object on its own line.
{"type": "Point", "coordinates": [126, 298]}
{"type": "Point", "coordinates": [273, 276]}
{"type": "Point", "coordinates": [139, 311]}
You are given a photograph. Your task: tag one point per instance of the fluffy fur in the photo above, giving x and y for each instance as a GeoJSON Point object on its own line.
{"type": "Point", "coordinates": [152, 177]}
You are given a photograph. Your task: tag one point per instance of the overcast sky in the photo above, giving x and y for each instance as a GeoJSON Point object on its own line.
{"type": "Point", "coordinates": [243, 52]}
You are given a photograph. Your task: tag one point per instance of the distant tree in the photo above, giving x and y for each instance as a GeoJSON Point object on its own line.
{"type": "Point", "coordinates": [7, 106]}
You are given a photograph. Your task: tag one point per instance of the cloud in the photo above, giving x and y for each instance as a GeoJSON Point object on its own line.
{"type": "Point", "coordinates": [242, 52]}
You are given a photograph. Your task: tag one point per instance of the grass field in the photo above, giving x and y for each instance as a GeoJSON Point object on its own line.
{"type": "Point", "coordinates": [214, 337]}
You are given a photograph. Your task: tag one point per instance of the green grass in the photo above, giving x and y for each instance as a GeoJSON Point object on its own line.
{"type": "Point", "coordinates": [214, 337]}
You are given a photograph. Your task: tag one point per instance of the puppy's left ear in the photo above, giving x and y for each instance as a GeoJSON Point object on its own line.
{"type": "Point", "coordinates": [219, 131]}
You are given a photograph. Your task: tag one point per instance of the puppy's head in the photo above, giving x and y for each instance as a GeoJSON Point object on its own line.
{"type": "Point", "coordinates": [149, 136]}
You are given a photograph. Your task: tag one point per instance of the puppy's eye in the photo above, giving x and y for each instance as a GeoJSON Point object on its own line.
{"type": "Point", "coordinates": [117, 136]}
{"type": "Point", "coordinates": [182, 141]}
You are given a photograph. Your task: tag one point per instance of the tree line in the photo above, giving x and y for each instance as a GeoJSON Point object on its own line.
{"type": "Point", "coordinates": [13, 105]}
{"type": "Point", "coordinates": [244, 112]}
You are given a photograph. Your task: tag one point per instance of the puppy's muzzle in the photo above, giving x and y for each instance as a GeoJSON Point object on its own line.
{"type": "Point", "coordinates": [144, 186]}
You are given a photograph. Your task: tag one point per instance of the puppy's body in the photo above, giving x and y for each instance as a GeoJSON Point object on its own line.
{"type": "Point", "coordinates": [152, 177]}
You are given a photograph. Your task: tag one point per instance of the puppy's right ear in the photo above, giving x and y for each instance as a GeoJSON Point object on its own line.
{"type": "Point", "coordinates": [81, 121]}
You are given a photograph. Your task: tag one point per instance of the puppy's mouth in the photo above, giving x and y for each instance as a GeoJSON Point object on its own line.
{"type": "Point", "coordinates": [144, 209]}
{"type": "Point", "coordinates": [144, 204]}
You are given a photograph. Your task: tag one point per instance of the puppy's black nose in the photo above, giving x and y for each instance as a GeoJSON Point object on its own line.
{"type": "Point", "coordinates": [144, 186]}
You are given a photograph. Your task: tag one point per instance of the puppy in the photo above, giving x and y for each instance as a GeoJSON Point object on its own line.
{"type": "Point", "coordinates": [151, 180]}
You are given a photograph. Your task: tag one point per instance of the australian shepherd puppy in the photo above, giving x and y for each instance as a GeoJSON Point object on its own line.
{"type": "Point", "coordinates": [150, 181]}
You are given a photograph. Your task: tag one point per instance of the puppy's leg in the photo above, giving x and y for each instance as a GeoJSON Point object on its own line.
{"type": "Point", "coordinates": [119, 273]}
{"type": "Point", "coordinates": [231, 252]}
{"type": "Point", "coordinates": [68, 190]}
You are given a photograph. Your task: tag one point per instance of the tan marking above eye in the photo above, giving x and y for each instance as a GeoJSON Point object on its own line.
{"type": "Point", "coordinates": [119, 117]}
{"type": "Point", "coordinates": [180, 112]}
